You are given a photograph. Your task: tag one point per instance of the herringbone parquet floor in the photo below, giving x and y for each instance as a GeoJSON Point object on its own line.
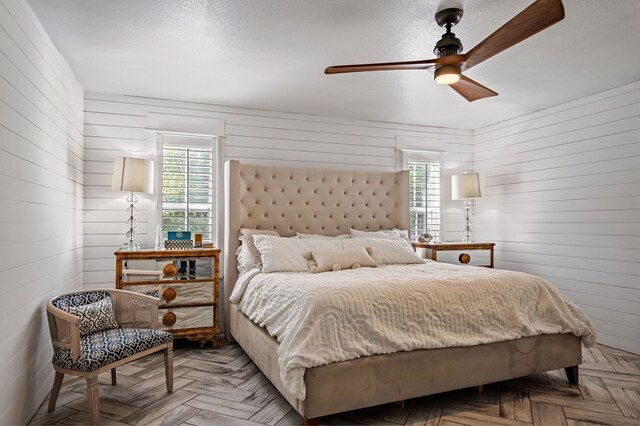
{"type": "Point", "coordinates": [222, 386]}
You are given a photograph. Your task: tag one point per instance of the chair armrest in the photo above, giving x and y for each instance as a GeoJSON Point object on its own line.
{"type": "Point", "coordinates": [135, 310]}
{"type": "Point", "coordinates": [64, 329]}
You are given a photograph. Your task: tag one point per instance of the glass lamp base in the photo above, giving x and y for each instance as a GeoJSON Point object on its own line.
{"type": "Point", "coordinates": [130, 246]}
{"type": "Point", "coordinates": [467, 221]}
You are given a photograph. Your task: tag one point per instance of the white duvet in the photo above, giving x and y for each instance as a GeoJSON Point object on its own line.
{"type": "Point", "coordinates": [337, 316]}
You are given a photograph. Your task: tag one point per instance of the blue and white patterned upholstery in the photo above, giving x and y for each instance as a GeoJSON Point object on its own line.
{"type": "Point", "coordinates": [95, 316]}
{"type": "Point", "coordinates": [152, 293]}
{"type": "Point", "coordinates": [104, 347]}
{"type": "Point", "coordinates": [93, 308]}
{"type": "Point", "coordinates": [78, 299]}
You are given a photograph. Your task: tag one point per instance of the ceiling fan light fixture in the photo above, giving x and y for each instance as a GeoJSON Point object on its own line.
{"type": "Point", "coordinates": [447, 74]}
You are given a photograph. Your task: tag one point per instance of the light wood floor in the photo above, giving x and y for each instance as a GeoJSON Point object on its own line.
{"type": "Point", "coordinates": [222, 386]}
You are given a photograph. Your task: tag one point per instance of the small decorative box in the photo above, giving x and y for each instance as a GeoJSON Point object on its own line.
{"type": "Point", "coordinates": [179, 235]}
{"type": "Point", "coordinates": [178, 244]}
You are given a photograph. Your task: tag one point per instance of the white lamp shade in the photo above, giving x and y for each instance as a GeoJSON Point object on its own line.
{"type": "Point", "coordinates": [132, 175]}
{"type": "Point", "coordinates": [465, 186]}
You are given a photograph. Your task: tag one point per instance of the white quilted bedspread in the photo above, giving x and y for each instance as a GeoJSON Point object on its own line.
{"type": "Point", "coordinates": [338, 316]}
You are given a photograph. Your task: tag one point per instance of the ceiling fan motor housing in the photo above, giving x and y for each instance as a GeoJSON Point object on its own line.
{"type": "Point", "coordinates": [448, 45]}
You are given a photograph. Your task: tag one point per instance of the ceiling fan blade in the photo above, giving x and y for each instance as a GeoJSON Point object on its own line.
{"type": "Point", "coordinates": [535, 18]}
{"type": "Point", "coordinates": [472, 90]}
{"type": "Point", "coordinates": [387, 66]}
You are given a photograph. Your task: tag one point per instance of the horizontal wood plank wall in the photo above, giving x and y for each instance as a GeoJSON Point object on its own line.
{"type": "Point", "coordinates": [561, 198]}
{"type": "Point", "coordinates": [115, 126]}
{"type": "Point", "coordinates": [41, 178]}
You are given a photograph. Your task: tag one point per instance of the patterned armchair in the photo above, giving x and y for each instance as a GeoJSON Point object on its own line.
{"type": "Point", "coordinates": [95, 331]}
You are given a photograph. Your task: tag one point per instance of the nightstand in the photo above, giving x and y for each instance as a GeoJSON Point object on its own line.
{"type": "Point", "coordinates": [186, 281]}
{"type": "Point", "coordinates": [432, 250]}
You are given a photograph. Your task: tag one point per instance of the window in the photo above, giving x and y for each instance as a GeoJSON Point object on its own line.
{"type": "Point", "coordinates": [187, 193]}
{"type": "Point", "coordinates": [424, 198]}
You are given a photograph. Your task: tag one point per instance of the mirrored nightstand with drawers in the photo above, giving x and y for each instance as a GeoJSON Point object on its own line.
{"type": "Point", "coordinates": [187, 283]}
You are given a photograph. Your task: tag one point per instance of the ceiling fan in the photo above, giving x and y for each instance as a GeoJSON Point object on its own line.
{"type": "Point", "coordinates": [450, 63]}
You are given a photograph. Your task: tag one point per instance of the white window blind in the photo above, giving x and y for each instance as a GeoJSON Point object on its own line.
{"type": "Point", "coordinates": [424, 198]}
{"type": "Point", "coordinates": [188, 189]}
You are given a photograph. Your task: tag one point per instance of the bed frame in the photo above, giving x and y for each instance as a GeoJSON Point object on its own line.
{"type": "Point", "coordinates": [330, 202]}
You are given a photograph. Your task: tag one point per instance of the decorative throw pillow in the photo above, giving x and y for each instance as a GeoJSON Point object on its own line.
{"type": "Point", "coordinates": [336, 260]}
{"type": "Point", "coordinates": [250, 251]}
{"type": "Point", "coordinates": [386, 251]}
{"type": "Point", "coordinates": [281, 254]}
{"type": "Point", "coordinates": [96, 316]}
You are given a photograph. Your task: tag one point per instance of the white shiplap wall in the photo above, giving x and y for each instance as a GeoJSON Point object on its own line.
{"type": "Point", "coordinates": [41, 178]}
{"type": "Point", "coordinates": [115, 126]}
{"type": "Point", "coordinates": [562, 200]}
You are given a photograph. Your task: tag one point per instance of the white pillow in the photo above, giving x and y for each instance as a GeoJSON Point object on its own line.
{"type": "Point", "coordinates": [402, 234]}
{"type": "Point", "coordinates": [368, 234]}
{"type": "Point", "coordinates": [346, 258]}
{"type": "Point", "coordinates": [280, 254]}
{"type": "Point", "coordinates": [323, 237]}
{"type": "Point", "coordinates": [248, 252]}
{"type": "Point", "coordinates": [386, 251]}
{"type": "Point", "coordinates": [245, 259]}
{"type": "Point", "coordinates": [392, 233]}
{"type": "Point", "coordinates": [395, 234]}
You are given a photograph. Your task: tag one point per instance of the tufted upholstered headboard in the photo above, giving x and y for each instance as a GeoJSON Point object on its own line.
{"type": "Point", "coordinates": [290, 200]}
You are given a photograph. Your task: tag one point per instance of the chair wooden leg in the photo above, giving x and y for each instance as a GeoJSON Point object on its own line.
{"type": "Point", "coordinates": [93, 397]}
{"type": "Point", "coordinates": [113, 377]}
{"type": "Point", "coordinates": [310, 422]}
{"type": "Point", "coordinates": [57, 382]}
{"type": "Point", "coordinates": [168, 366]}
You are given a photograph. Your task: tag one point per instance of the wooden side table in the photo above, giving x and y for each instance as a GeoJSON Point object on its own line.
{"type": "Point", "coordinates": [464, 258]}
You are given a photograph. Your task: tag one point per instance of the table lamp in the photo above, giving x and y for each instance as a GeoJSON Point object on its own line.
{"type": "Point", "coordinates": [132, 175]}
{"type": "Point", "coordinates": [465, 187]}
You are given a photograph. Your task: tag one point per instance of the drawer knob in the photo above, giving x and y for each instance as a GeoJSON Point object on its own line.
{"type": "Point", "coordinates": [169, 270]}
{"type": "Point", "coordinates": [464, 258]}
{"type": "Point", "coordinates": [169, 294]}
{"type": "Point", "coordinates": [169, 319]}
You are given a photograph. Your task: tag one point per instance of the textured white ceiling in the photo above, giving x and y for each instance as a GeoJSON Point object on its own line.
{"type": "Point", "coordinates": [270, 54]}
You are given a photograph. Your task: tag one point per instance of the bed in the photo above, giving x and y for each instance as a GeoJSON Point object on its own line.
{"type": "Point", "coordinates": [331, 202]}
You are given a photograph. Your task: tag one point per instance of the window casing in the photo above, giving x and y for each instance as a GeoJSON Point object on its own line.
{"type": "Point", "coordinates": [187, 191]}
{"type": "Point", "coordinates": [425, 196]}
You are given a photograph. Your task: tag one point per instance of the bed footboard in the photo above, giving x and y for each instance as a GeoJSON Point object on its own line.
{"type": "Point", "coordinates": [379, 379]}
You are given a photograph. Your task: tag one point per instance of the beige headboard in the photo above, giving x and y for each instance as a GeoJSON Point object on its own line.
{"type": "Point", "coordinates": [289, 200]}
